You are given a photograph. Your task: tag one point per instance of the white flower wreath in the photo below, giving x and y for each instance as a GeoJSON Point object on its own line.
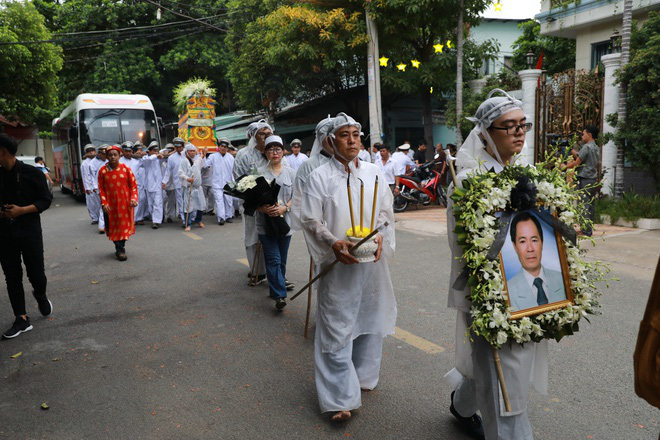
{"type": "Point", "coordinates": [475, 206]}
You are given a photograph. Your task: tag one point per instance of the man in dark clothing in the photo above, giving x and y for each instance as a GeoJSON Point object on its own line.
{"type": "Point", "coordinates": [420, 154]}
{"type": "Point", "coordinates": [24, 195]}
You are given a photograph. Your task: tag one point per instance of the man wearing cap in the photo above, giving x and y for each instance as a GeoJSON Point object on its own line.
{"type": "Point", "coordinates": [401, 160]}
{"type": "Point", "coordinates": [356, 305]}
{"type": "Point", "coordinates": [222, 165]}
{"type": "Point", "coordinates": [171, 175]}
{"type": "Point", "coordinates": [248, 160]}
{"type": "Point", "coordinates": [126, 153]}
{"type": "Point", "coordinates": [94, 168]}
{"type": "Point", "coordinates": [136, 166]}
{"type": "Point", "coordinates": [296, 158]}
{"type": "Point", "coordinates": [86, 174]}
{"type": "Point", "coordinates": [153, 176]}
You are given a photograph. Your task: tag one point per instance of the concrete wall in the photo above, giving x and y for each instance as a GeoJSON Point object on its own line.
{"type": "Point", "coordinates": [506, 32]}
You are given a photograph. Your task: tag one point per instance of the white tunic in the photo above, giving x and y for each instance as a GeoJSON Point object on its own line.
{"type": "Point", "coordinates": [401, 160]}
{"type": "Point", "coordinates": [94, 168]}
{"type": "Point", "coordinates": [153, 173]}
{"type": "Point", "coordinates": [296, 161]}
{"type": "Point", "coordinates": [364, 156]}
{"type": "Point", "coordinates": [186, 170]}
{"type": "Point", "coordinates": [172, 170]}
{"type": "Point", "coordinates": [357, 299]}
{"type": "Point", "coordinates": [457, 300]}
{"type": "Point", "coordinates": [86, 174]}
{"type": "Point", "coordinates": [221, 169]}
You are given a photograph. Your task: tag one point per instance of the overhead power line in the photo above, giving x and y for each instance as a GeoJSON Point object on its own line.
{"type": "Point", "coordinates": [185, 16]}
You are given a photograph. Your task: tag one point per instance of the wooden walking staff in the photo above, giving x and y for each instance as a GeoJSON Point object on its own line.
{"type": "Point", "coordinates": [309, 294]}
{"type": "Point", "coordinates": [496, 353]}
{"type": "Point", "coordinates": [329, 267]}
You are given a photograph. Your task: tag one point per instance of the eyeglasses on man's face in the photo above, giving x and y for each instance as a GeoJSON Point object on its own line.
{"type": "Point", "coordinates": [513, 129]}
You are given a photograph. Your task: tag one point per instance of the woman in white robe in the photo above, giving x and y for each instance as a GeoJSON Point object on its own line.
{"type": "Point", "coordinates": [490, 147]}
{"type": "Point", "coordinates": [190, 176]}
{"type": "Point", "coordinates": [356, 305]}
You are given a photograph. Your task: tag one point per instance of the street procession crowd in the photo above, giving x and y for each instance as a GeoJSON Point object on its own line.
{"type": "Point", "coordinates": [319, 195]}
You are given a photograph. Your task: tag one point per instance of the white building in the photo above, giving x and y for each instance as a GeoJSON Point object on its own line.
{"type": "Point", "coordinates": [590, 23]}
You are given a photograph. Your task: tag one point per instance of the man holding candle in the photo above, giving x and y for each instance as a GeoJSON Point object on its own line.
{"type": "Point", "coordinates": [356, 305]}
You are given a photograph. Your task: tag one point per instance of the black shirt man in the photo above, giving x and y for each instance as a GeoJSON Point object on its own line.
{"type": "Point", "coordinates": [24, 195]}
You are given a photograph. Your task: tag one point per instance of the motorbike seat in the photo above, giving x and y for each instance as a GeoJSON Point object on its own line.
{"type": "Point", "coordinates": [415, 179]}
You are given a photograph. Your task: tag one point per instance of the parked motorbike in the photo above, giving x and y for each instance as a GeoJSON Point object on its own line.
{"type": "Point", "coordinates": [421, 186]}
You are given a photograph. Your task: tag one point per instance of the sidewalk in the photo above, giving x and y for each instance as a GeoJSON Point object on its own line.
{"type": "Point", "coordinates": [432, 220]}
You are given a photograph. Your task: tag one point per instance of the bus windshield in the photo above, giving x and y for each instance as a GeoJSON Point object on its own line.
{"type": "Point", "coordinates": [115, 126]}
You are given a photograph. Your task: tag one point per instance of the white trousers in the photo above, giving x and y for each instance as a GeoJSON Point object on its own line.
{"type": "Point", "coordinates": [224, 208]}
{"type": "Point", "coordinates": [101, 215]}
{"type": "Point", "coordinates": [209, 196]}
{"type": "Point", "coordinates": [179, 202]}
{"type": "Point", "coordinates": [93, 201]}
{"type": "Point", "coordinates": [483, 391]}
{"type": "Point", "coordinates": [142, 208]}
{"type": "Point", "coordinates": [155, 206]}
{"type": "Point", "coordinates": [169, 203]}
{"type": "Point", "coordinates": [341, 375]}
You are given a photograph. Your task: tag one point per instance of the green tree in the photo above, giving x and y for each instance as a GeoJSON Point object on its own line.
{"type": "Point", "coordinates": [409, 30]}
{"type": "Point", "coordinates": [639, 132]}
{"type": "Point", "coordinates": [558, 53]}
{"type": "Point", "coordinates": [295, 53]}
{"type": "Point", "coordinates": [29, 74]}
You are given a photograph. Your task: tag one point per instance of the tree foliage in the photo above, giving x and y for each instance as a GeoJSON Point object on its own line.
{"type": "Point", "coordinates": [135, 59]}
{"type": "Point", "coordinates": [296, 52]}
{"type": "Point", "coordinates": [639, 132]}
{"type": "Point", "coordinates": [28, 77]}
{"type": "Point", "coordinates": [558, 53]}
{"type": "Point", "coordinates": [409, 30]}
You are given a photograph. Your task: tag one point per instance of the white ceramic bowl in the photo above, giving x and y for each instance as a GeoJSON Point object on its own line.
{"type": "Point", "coordinates": [366, 253]}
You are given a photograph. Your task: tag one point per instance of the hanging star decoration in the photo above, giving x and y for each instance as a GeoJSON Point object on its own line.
{"type": "Point", "coordinates": [431, 91]}
{"type": "Point", "coordinates": [415, 63]}
{"type": "Point", "coordinates": [498, 7]}
{"type": "Point", "coordinates": [402, 67]}
{"type": "Point", "coordinates": [438, 47]}
{"type": "Point", "coordinates": [383, 61]}
{"type": "Point", "coordinates": [449, 44]}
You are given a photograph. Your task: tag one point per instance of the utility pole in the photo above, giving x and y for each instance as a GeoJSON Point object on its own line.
{"type": "Point", "coordinates": [459, 76]}
{"type": "Point", "coordinates": [623, 110]}
{"type": "Point", "coordinates": [373, 82]}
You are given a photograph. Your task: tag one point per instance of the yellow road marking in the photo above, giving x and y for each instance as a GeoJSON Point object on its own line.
{"type": "Point", "coordinates": [417, 342]}
{"type": "Point", "coordinates": [192, 235]}
{"type": "Point", "coordinates": [243, 261]}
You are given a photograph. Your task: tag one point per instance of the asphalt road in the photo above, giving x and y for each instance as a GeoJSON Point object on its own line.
{"type": "Point", "coordinates": [172, 344]}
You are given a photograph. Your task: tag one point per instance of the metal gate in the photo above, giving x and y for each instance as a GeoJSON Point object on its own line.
{"type": "Point", "coordinates": [565, 103]}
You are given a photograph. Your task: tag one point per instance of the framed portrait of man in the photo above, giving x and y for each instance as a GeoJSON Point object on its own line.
{"type": "Point", "coordinates": [534, 267]}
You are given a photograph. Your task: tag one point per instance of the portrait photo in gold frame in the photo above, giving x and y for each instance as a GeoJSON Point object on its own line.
{"type": "Point", "coordinates": [534, 267]}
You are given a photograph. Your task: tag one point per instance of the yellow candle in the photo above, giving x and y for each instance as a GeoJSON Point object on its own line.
{"type": "Point", "coordinates": [361, 204]}
{"type": "Point", "coordinates": [350, 203]}
{"type": "Point", "coordinates": [373, 208]}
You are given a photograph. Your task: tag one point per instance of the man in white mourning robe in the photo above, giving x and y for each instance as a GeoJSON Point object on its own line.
{"type": "Point", "coordinates": [94, 168]}
{"type": "Point", "coordinates": [171, 175]}
{"type": "Point", "coordinates": [207, 184]}
{"type": "Point", "coordinates": [296, 158]}
{"type": "Point", "coordinates": [169, 194]}
{"type": "Point", "coordinates": [498, 140]}
{"type": "Point", "coordinates": [153, 176]}
{"type": "Point", "coordinates": [222, 165]}
{"type": "Point", "coordinates": [356, 305]}
{"type": "Point", "coordinates": [136, 166]}
{"type": "Point", "coordinates": [88, 186]}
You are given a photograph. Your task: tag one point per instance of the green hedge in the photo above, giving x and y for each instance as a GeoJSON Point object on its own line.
{"type": "Point", "coordinates": [630, 207]}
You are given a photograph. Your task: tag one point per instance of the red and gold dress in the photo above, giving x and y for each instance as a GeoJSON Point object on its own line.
{"type": "Point", "coordinates": [117, 188]}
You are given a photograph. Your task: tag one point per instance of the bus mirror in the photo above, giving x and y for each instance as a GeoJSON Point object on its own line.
{"type": "Point", "coordinates": [73, 132]}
